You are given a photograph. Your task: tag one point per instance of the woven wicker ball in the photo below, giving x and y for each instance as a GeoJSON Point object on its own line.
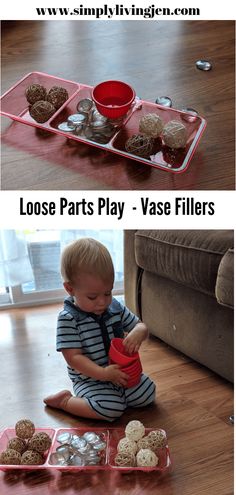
{"type": "Point", "coordinates": [151, 124]}
{"type": "Point", "coordinates": [125, 459]}
{"type": "Point", "coordinates": [126, 445]}
{"type": "Point", "coordinates": [143, 443]}
{"type": "Point", "coordinates": [41, 111]}
{"type": "Point", "coordinates": [40, 442]}
{"type": "Point", "coordinates": [24, 428]}
{"type": "Point", "coordinates": [57, 96]}
{"type": "Point", "coordinates": [31, 457]}
{"type": "Point", "coordinates": [35, 92]}
{"type": "Point", "coordinates": [10, 456]}
{"type": "Point", "coordinates": [175, 135]}
{"type": "Point", "coordinates": [145, 457]}
{"type": "Point", "coordinates": [134, 430]}
{"type": "Point", "coordinates": [17, 444]}
{"type": "Point", "coordinates": [156, 439]}
{"type": "Point", "coordinates": [140, 145]}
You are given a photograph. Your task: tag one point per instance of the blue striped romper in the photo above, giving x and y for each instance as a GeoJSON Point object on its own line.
{"type": "Point", "coordinates": [92, 334]}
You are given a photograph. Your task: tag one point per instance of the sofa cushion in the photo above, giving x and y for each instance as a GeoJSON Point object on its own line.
{"type": "Point", "coordinates": [225, 280]}
{"type": "Point", "coordinates": [190, 257]}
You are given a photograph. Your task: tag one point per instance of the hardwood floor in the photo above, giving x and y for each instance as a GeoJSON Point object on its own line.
{"type": "Point", "coordinates": [156, 58]}
{"type": "Point", "coordinates": [193, 405]}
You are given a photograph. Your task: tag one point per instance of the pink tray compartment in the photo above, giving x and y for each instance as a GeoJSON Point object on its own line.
{"type": "Point", "coordinates": [103, 433]}
{"type": "Point", "coordinates": [162, 156]}
{"type": "Point", "coordinates": [9, 433]}
{"type": "Point", "coordinates": [68, 109]}
{"type": "Point", "coordinates": [163, 454]}
{"type": "Point", "coordinates": [14, 105]}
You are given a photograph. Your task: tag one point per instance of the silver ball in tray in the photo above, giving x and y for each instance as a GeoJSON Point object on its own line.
{"type": "Point", "coordinates": [108, 131]}
{"type": "Point", "coordinates": [65, 127]}
{"type": "Point", "coordinates": [99, 445]}
{"type": "Point", "coordinates": [98, 125]}
{"type": "Point", "coordinates": [88, 132]}
{"type": "Point", "coordinates": [84, 450]}
{"type": "Point", "coordinates": [99, 138]}
{"type": "Point", "coordinates": [65, 450]}
{"type": "Point", "coordinates": [64, 437]}
{"type": "Point", "coordinates": [97, 116]}
{"type": "Point", "coordinates": [103, 130]}
{"type": "Point", "coordinates": [78, 130]}
{"type": "Point", "coordinates": [76, 119]}
{"type": "Point", "coordinates": [57, 459]}
{"type": "Point", "coordinates": [78, 442]}
{"type": "Point", "coordinates": [76, 460]}
{"type": "Point", "coordinates": [85, 105]}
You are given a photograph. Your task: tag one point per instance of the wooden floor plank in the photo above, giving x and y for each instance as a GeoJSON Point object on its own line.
{"type": "Point", "coordinates": [193, 405]}
{"type": "Point", "coordinates": [156, 59]}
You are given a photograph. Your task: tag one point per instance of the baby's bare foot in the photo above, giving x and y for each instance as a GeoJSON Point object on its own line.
{"type": "Point", "coordinates": [58, 400]}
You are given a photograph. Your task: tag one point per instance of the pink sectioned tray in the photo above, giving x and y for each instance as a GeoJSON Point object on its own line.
{"type": "Point", "coordinates": [110, 435]}
{"type": "Point", "coordinates": [14, 105]}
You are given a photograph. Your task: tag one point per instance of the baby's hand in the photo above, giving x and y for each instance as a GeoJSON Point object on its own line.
{"type": "Point", "coordinates": [133, 342]}
{"type": "Point", "coordinates": [114, 374]}
{"type": "Point", "coordinates": [135, 338]}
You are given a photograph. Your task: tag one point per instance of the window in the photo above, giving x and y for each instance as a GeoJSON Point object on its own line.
{"type": "Point", "coordinates": [4, 295]}
{"type": "Point", "coordinates": [44, 249]}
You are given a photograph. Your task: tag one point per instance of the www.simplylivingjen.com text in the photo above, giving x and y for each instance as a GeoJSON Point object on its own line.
{"type": "Point", "coordinates": [119, 10]}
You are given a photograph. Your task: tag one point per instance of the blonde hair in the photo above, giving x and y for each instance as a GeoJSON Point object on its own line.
{"type": "Point", "coordinates": [86, 255]}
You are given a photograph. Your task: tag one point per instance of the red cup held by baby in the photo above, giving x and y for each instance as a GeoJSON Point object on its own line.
{"type": "Point", "coordinates": [129, 363]}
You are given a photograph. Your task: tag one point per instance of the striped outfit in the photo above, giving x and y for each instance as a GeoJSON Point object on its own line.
{"type": "Point", "coordinates": [92, 334]}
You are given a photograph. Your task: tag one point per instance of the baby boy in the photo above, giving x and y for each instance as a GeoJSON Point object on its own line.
{"type": "Point", "coordinates": [90, 319]}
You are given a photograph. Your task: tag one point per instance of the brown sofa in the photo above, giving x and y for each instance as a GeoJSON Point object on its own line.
{"type": "Point", "coordinates": [180, 282]}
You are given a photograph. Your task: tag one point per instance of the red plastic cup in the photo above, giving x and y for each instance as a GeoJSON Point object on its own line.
{"type": "Point", "coordinates": [113, 99]}
{"type": "Point", "coordinates": [118, 354]}
{"type": "Point", "coordinates": [130, 364]}
{"type": "Point", "coordinates": [134, 371]}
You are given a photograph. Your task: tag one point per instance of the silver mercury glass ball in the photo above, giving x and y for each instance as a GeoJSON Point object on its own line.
{"type": "Point", "coordinates": [65, 127]}
{"type": "Point", "coordinates": [165, 101]}
{"type": "Point", "coordinates": [189, 115]}
{"type": "Point", "coordinates": [85, 105]}
{"type": "Point", "coordinates": [203, 65]}
{"type": "Point", "coordinates": [64, 437]}
{"type": "Point", "coordinates": [76, 119]}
